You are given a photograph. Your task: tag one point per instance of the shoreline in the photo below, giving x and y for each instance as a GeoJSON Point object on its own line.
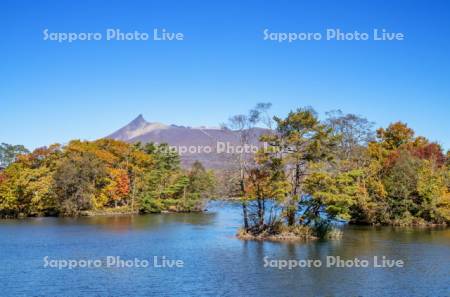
{"type": "Point", "coordinates": [282, 237]}
{"type": "Point", "coordinates": [285, 236]}
{"type": "Point", "coordinates": [102, 213]}
{"type": "Point", "coordinates": [295, 234]}
{"type": "Point", "coordinates": [276, 238]}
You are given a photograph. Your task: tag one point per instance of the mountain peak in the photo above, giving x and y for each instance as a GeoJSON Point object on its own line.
{"type": "Point", "coordinates": [137, 127]}
{"type": "Point", "coordinates": [138, 120]}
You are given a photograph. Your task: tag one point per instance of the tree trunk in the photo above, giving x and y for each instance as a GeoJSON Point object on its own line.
{"type": "Point", "coordinates": [292, 205]}
{"type": "Point", "coordinates": [291, 216]}
{"type": "Point", "coordinates": [245, 214]}
{"type": "Point", "coordinates": [244, 203]}
{"type": "Point", "coordinates": [260, 212]}
{"type": "Point", "coordinates": [133, 191]}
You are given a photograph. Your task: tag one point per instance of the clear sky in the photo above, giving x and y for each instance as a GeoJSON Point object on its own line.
{"type": "Point", "coordinates": [53, 92]}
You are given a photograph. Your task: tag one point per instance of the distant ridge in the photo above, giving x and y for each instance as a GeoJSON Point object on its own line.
{"type": "Point", "coordinates": [195, 140]}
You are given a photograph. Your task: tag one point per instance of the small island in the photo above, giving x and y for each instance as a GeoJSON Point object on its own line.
{"type": "Point", "coordinates": [313, 175]}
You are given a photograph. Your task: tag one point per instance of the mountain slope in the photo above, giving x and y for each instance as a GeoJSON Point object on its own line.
{"type": "Point", "coordinates": [213, 147]}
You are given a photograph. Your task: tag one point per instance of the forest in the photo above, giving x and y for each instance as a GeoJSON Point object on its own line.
{"type": "Point", "coordinates": [309, 176]}
{"type": "Point", "coordinates": [103, 175]}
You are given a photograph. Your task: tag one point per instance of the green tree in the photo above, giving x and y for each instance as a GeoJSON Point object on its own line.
{"type": "Point", "coordinates": [301, 139]}
{"type": "Point", "coordinates": [201, 182]}
{"type": "Point", "coordinates": [330, 197]}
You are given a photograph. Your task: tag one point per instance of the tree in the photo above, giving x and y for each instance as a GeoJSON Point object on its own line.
{"type": "Point", "coordinates": [27, 184]}
{"type": "Point", "coordinates": [200, 181]}
{"type": "Point", "coordinates": [354, 132]}
{"type": "Point", "coordinates": [329, 197]}
{"type": "Point", "coordinates": [8, 153]}
{"type": "Point", "coordinates": [265, 181]}
{"type": "Point", "coordinates": [118, 186]}
{"type": "Point", "coordinates": [395, 135]}
{"type": "Point", "coordinates": [405, 180]}
{"type": "Point", "coordinates": [300, 138]}
{"type": "Point", "coordinates": [9, 202]}
{"type": "Point", "coordinates": [400, 182]}
{"type": "Point", "coordinates": [77, 180]}
{"type": "Point", "coordinates": [245, 126]}
{"type": "Point", "coordinates": [166, 186]}
{"type": "Point", "coordinates": [448, 160]}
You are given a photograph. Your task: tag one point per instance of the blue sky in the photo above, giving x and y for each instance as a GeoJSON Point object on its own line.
{"type": "Point", "coordinates": [53, 92]}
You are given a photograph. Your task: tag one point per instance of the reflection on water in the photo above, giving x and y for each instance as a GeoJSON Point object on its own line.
{"type": "Point", "coordinates": [216, 263]}
{"type": "Point", "coordinates": [124, 223]}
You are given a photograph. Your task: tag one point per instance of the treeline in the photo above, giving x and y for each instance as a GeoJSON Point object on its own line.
{"type": "Point", "coordinates": [310, 174]}
{"type": "Point", "coordinates": [315, 173]}
{"type": "Point", "coordinates": [102, 175]}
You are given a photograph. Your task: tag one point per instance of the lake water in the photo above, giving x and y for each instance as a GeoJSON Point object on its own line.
{"type": "Point", "coordinates": [215, 263]}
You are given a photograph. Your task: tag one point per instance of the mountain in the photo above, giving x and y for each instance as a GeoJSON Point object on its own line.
{"type": "Point", "coordinates": [214, 147]}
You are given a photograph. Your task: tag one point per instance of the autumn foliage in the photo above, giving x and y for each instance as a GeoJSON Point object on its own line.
{"type": "Point", "coordinates": [101, 175]}
{"type": "Point", "coordinates": [318, 173]}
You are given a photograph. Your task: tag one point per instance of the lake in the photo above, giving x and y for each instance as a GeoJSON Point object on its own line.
{"type": "Point", "coordinates": [215, 263]}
